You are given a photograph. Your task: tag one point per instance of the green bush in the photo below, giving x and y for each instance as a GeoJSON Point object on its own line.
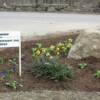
{"type": "Point", "coordinates": [51, 68]}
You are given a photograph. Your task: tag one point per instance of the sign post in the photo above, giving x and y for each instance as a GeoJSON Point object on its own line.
{"type": "Point", "coordinates": [11, 39]}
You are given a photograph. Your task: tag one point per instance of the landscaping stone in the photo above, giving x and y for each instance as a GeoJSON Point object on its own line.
{"type": "Point", "coordinates": [40, 9]}
{"type": "Point", "coordinates": [18, 9]}
{"type": "Point", "coordinates": [51, 9]}
{"type": "Point", "coordinates": [87, 44]}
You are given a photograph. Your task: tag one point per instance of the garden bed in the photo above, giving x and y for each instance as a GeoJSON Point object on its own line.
{"type": "Point", "coordinates": [83, 79]}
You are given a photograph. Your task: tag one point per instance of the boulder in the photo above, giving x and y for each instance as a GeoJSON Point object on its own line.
{"type": "Point", "coordinates": [51, 9]}
{"type": "Point", "coordinates": [41, 8]}
{"type": "Point", "coordinates": [87, 44]}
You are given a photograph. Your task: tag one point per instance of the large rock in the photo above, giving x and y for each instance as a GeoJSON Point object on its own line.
{"type": "Point", "coordinates": [51, 9]}
{"type": "Point", "coordinates": [87, 44]}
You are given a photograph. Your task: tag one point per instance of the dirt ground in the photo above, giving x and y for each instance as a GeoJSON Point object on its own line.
{"type": "Point", "coordinates": [83, 79]}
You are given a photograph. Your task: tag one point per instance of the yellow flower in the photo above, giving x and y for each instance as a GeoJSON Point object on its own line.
{"type": "Point", "coordinates": [38, 52]}
{"type": "Point", "coordinates": [69, 45]}
{"type": "Point", "coordinates": [60, 44]}
{"type": "Point", "coordinates": [43, 50]}
{"type": "Point", "coordinates": [70, 40]}
{"type": "Point", "coordinates": [57, 49]}
{"type": "Point", "coordinates": [58, 53]}
{"type": "Point", "coordinates": [47, 54]}
{"type": "Point", "coordinates": [52, 47]}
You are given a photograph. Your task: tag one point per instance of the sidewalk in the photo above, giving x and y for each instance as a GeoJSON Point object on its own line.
{"type": "Point", "coordinates": [50, 95]}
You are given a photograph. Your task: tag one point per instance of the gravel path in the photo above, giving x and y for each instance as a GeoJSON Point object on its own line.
{"type": "Point", "coordinates": [50, 95]}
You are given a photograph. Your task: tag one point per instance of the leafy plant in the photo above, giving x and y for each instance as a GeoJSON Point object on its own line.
{"type": "Point", "coordinates": [67, 45]}
{"type": "Point", "coordinates": [57, 50]}
{"type": "Point", "coordinates": [3, 74]}
{"type": "Point", "coordinates": [38, 50]}
{"type": "Point", "coordinates": [1, 60]}
{"type": "Point", "coordinates": [13, 84]}
{"type": "Point", "coordinates": [51, 68]}
{"type": "Point", "coordinates": [82, 65]}
{"type": "Point", "coordinates": [97, 74]}
{"type": "Point", "coordinates": [7, 74]}
{"type": "Point", "coordinates": [13, 61]}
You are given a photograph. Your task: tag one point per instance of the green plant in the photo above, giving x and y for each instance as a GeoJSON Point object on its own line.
{"type": "Point", "coordinates": [57, 50]}
{"type": "Point", "coordinates": [82, 65]}
{"type": "Point", "coordinates": [97, 74]}
{"type": "Point", "coordinates": [13, 84]}
{"type": "Point", "coordinates": [67, 46]}
{"type": "Point", "coordinates": [1, 60]}
{"type": "Point", "coordinates": [7, 74]}
{"type": "Point", "coordinates": [37, 50]}
{"type": "Point", "coordinates": [51, 68]}
{"type": "Point", "coordinates": [13, 61]}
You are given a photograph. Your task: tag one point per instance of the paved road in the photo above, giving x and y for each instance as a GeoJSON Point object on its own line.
{"type": "Point", "coordinates": [41, 23]}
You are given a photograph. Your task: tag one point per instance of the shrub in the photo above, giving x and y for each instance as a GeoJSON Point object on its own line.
{"type": "Point", "coordinates": [51, 68]}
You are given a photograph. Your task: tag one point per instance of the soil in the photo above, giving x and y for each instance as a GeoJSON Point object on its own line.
{"type": "Point", "coordinates": [83, 79]}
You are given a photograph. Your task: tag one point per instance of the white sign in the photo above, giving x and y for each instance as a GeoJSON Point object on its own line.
{"type": "Point", "coordinates": [11, 39]}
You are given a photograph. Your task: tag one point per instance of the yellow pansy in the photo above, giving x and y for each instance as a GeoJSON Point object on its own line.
{"type": "Point", "coordinates": [43, 50]}
{"type": "Point", "coordinates": [57, 49]}
{"type": "Point", "coordinates": [60, 44]}
{"type": "Point", "coordinates": [38, 52]}
{"type": "Point", "coordinates": [52, 47]}
{"type": "Point", "coordinates": [58, 53]}
{"type": "Point", "coordinates": [48, 54]}
{"type": "Point", "coordinates": [69, 45]}
{"type": "Point", "coordinates": [70, 40]}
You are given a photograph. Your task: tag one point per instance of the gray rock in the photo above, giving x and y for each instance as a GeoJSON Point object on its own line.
{"type": "Point", "coordinates": [87, 44]}
{"type": "Point", "coordinates": [51, 9]}
{"type": "Point", "coordinates": [18, 9]}
{"type": "Point", "coordinates": [27, 8]}
{"type": "Point", "coordinates": [40, 9]}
